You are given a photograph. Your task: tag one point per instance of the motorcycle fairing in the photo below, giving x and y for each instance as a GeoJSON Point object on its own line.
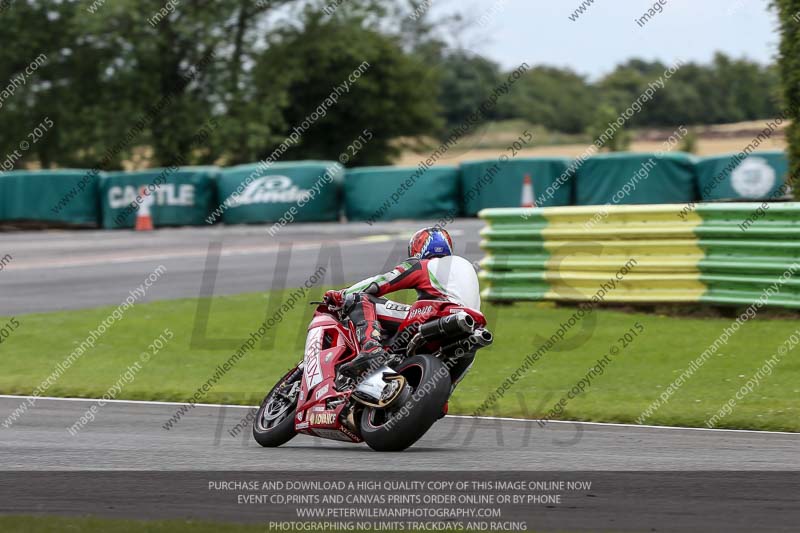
{"type": "Point", "coordinates": [424, 310]}
{"type": "Point", "coordinates": [326, 347]}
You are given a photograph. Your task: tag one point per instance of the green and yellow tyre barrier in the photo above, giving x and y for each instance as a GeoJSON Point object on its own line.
{"type": "Point", "coordinates": [716, 253]}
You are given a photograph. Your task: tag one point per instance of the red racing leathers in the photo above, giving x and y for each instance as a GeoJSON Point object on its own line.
{"type": "Point", "coordinates": [373, 315]}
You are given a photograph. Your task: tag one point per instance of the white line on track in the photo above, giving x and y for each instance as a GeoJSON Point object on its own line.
{"type": "Point", "coordinates": [140, 402]}
{"type": "Point", "coordinates": [621, 425]}
{"type": "Point", "coordinates": [502, 418]}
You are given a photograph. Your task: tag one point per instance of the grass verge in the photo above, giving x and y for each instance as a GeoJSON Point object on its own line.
{"type": "Point", "coordinates": [634, 378]}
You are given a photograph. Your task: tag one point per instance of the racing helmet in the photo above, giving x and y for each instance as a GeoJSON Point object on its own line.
{"type": "Point", "coordinates": [430, 242]}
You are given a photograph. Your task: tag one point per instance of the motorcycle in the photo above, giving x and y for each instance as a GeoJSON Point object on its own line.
{"type": "Point", "coordinates": [392, 404]}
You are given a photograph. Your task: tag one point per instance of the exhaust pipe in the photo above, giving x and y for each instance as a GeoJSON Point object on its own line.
{"type": "Point", "coordinates": [459, 324]}
{"type": "Point", "coordinates": [481, 337]}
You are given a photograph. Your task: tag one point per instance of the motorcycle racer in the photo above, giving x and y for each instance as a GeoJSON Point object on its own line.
{"type": "Point", "coordinates": [431, 269]}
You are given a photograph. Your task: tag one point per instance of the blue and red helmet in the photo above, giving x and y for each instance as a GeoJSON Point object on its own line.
{"type": "Point", "coordinates": [430, 242]}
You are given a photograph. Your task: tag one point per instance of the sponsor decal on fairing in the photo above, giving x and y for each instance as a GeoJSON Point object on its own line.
{"type": "Point", "coordinates": [394, 306]}
{"type": "Point", "coordinates": [326, 418]}
{"type": "Point", "coordinates": [352, 436]}
{"type": "Point", "coordinates": [321, 392]}
{"type": "Point", "coordinates": [421, 311]}
{"type": "Point", "coordinates": [312, 372]}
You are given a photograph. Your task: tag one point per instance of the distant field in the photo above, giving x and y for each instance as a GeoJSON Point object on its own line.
{"type": "Point", "coordinates": [490, 142]}
{"type": "Point", "coordinates": [663, 347]}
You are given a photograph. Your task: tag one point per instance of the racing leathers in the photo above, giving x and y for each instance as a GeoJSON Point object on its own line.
{"type": "Point", "coordinates": [439, 278]}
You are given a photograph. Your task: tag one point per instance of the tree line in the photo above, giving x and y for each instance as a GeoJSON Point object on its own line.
{"type": "Point", "coordinates": [258, 69]}
{"type": "Point", "coordinates": [789, 64]}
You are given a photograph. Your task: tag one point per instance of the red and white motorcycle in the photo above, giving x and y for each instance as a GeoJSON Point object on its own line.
{"type": "Point", "coordinates": [393, 404]}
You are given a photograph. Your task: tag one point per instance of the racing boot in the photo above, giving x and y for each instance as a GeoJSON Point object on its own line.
{"type": "Point", "coordinates": [371, 355]}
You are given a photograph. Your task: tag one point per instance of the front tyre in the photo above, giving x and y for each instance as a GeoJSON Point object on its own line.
{"type": "Point", "coordinates": [274, 423]}
{"type": "Point", "coordinates": [410, 416]}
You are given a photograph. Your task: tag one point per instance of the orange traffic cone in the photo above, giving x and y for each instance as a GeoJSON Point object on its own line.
{"type": "Point", "coordinates": [527, 192]}
{"type": "Point", "coordinates": [144, 221]}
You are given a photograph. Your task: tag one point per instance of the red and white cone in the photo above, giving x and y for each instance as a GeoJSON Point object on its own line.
{"type": "Point", "coordinates": [144, 220]}
{"type": "Point", "coordinates": [527, 192]}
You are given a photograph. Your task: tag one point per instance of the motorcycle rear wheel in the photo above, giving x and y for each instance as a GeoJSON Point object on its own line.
{"type": "Point", "coordinates": [410, 416]}
{"type": "Point", "coordinates": [274, 422]}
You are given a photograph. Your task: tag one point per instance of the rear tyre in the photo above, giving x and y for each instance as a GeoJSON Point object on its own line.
{"type": "Point", "coordinates": [274, 423]}
{"type": "Point", "coordinates": [410, 416]}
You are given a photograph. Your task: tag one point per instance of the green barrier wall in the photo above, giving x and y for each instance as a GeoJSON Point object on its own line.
{"type": "Point", "coordinates": [494, 183]}
{"type": "Point", "coordinates": [718, 253]}
{"type": "Point", "coordinates": [50, 196]}
{"type": "Point", "coordinates": [625, 178]}
{"type": "Point", "coordinates": [729, 177]}
{"type": "Point", "coordinates": [182, 196]}
{"type": "Point", "coordinates": [389, 193]}
{"type": "Point", "coordinates": [304, 191]}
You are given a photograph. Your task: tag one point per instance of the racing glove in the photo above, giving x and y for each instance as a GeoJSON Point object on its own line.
{"type": "Point", "coordinates": [334, 299]}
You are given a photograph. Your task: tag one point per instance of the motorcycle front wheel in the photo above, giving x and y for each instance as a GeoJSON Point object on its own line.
{"type": "Point", "coordinates": [412, 414]}
{"type": "Point", "coordinates": [274, 423]}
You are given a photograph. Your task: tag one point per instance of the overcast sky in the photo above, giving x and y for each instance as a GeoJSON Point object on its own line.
{"type": "Point", "coordinates": [540, 31]}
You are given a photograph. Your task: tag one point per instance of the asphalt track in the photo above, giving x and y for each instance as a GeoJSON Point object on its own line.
{"type": "Point", "coordinates": [643, 478]}
{"type": "Point", "coordinates": [58, 270]}
{"type": "Point", "coordinates": [130, 436]}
